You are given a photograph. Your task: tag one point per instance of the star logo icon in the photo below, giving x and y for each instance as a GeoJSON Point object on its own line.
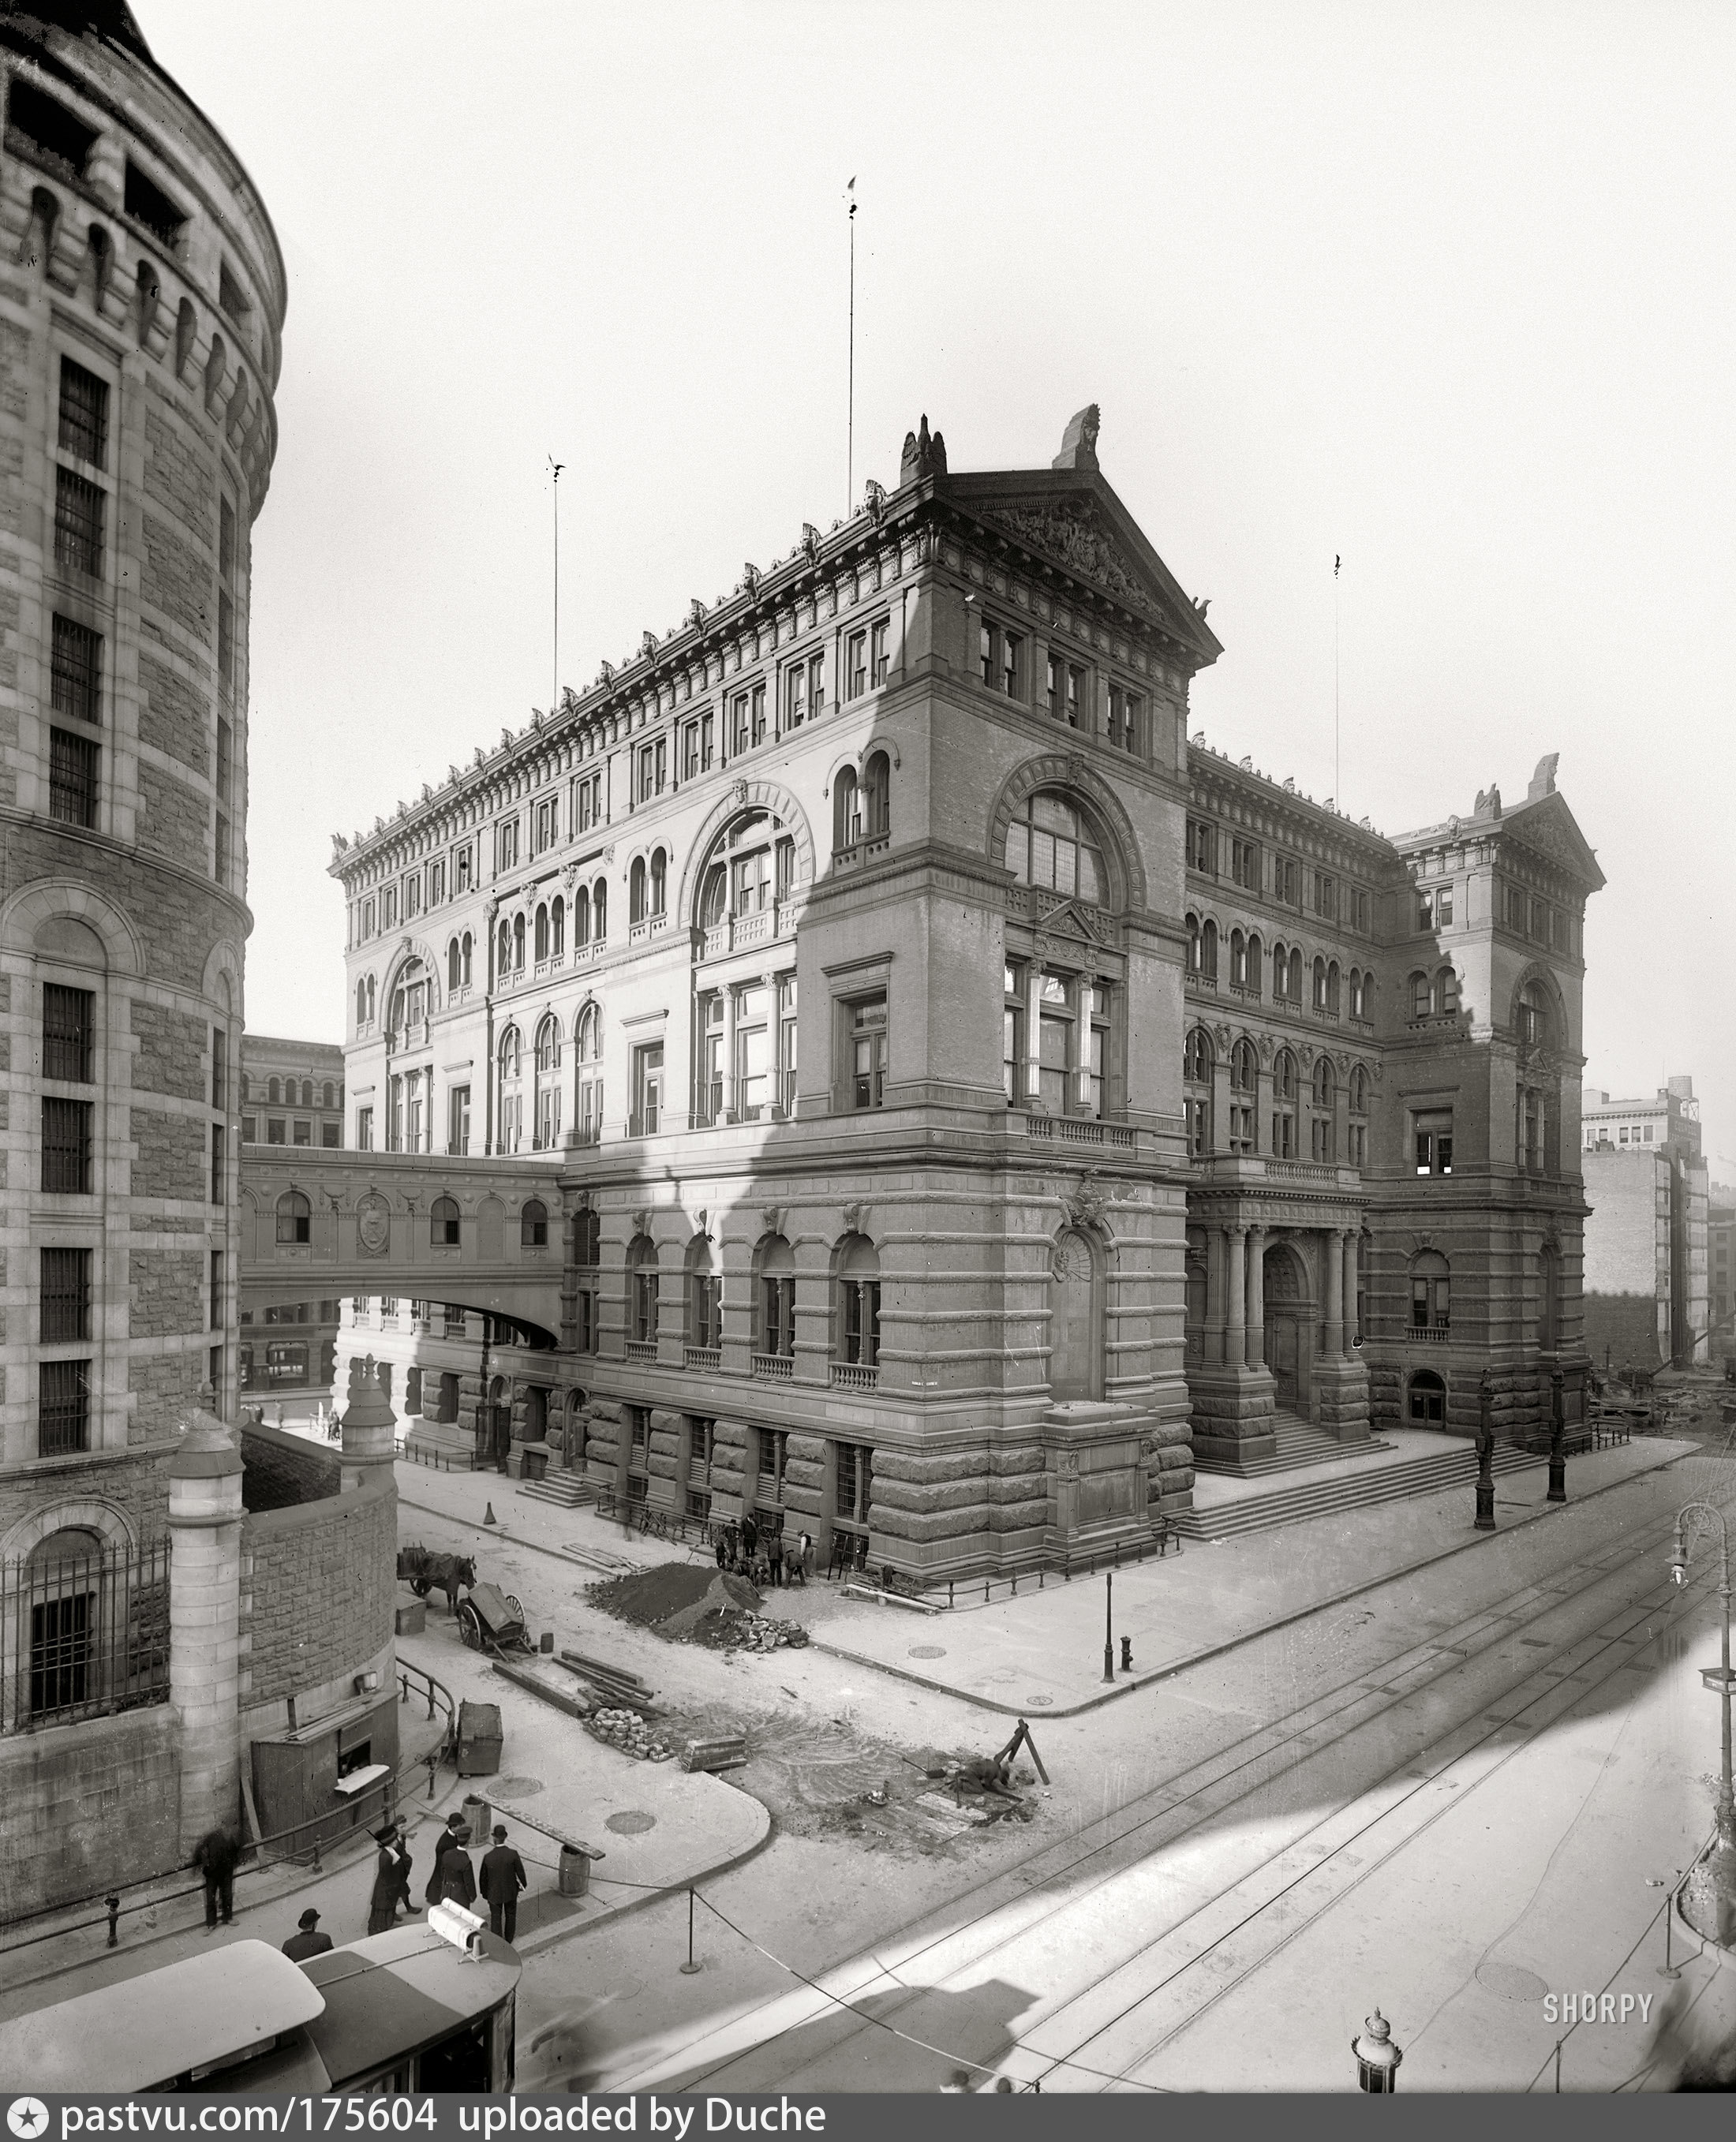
{"type": "Point", "coordinates": [28, 2117]}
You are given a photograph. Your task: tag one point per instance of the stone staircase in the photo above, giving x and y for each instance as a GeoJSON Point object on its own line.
{"type": "Point", "coordinates": [567, 1489]}
{"type": "Point", "coordinates": [1350, 1490]}
{"type": "Point", "coordinates": [1299, 1443]}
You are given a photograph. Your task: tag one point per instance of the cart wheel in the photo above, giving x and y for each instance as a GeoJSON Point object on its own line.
{"type": "Point", "coordinates": [470, 1626]}
{"type": "Point", "coordinates": [517, 1611]}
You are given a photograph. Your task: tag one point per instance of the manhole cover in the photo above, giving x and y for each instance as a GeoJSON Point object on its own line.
{"type": "Point", "coordinates": [1509, 1981]}
{"type": "Point", "coordinates": [518, 1788]}
{"type": "Point", "coordinates": [630, 1822]}
{"type": "Point", "coordinates": [927, 1650]}
{"type": "Point", "coordinates": [1038, 1702]}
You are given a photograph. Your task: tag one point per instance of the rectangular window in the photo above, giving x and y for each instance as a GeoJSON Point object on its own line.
{"type": "Point", "coordinates": [304, 1135]}
{"type": "Point", "coordinates": [76, 686]}
{"type": "Point", "coordinates": [1433, 1134]}
{"type": "Point", "coordinates": [66, 1139]}
{"type": "Point", "coordinates": [506, 846]}
{"type": "Point", "coordinates": [68, 1034]}
{"type": "Point", "coordinates": [740, 732]}
{"type": "Point", "coordinates": [1012, 665]}
{"type": "Point", "coordinates": [879, 655]}
{"type": "Point", "coordinates": [364, 1131]}
{"type": "Point", "coordinates": [856, 669]}
{"type": "Point", "coordinates": [330, 1135]}
{"type": "Point", "coordinates": [861, 1322]}
{"type": "Point", "coordinates": [225, 542]}
{"type": "Point", "coordinates": [753, 1052]}
{"type": "Point", "coordinates": [249, 1126]}
{"type": "Point", "coordinates": [855, 1477]}
{"type": "Point", "coordinates": [1245, 864]}
{"type": "Point", "coordinates": [226, 641]}
{"type": "Point", "coordinates": [1012, 1034]}
{"type": "Point", "coordinates": [78, 522]}
{"type": "Point", "coordinates": [771, 1456]}
{"type": "Point", "coordinates": [545, 825]}
{"type": "Point", "coordinates": [66, 1295]}
{"type": "Point", "coordinates": [1203, 846]}
{"type": "Point", "coordinates": [219, 1068]}
{"type": "Point", "coordinates": [1095, 1068]}
{"type": "Point", "coordinates": [388, 903]}
{"type": "Point", "coordinates": [457, 1120]}
{"type": "Point", "coordinates": [146, 202]}
{"type": "Point", "coordinates": [219, 1181]}
{"type": "Point", "coordinates": [83, 414]}
{"type": "Point", "coordinates": [72, 765]}
{"type": "Point", "coordinates": [63, 1408]}
{"type": "Point", "coordinates": [1287, 880]}
{"type": "Point", "coordinates": [214, 1293]}
{"type": "Point", "coordinates": [1326, 895]}
{"type": "Point", "coordinates": [708, 1100]}
{"type": "Point", "coordinates": [786, 1094]}
{"type": "Point", "coordinates": [867, 1042]}
{"type": "Point", "coordinates": [461, 871]}
{"type": "Point", "coordinates": [647, 1089]}
{"type": "Point", "coordinates": [778, 1317]}
{"type": "Point", "coordinates": [1443, 906]}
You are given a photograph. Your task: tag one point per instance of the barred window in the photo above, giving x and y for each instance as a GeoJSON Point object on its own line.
{"type": "Point", "coordinates": [78, 507]}
{"type": "Point", "coordinates": [83, 413]}
{"type": "Point", "coordinates": [68, 1034]}
{"type": "Point", "coordinates": [226, 641]}
{"type": "Point", "coordinates": [66, 1295]}
{"type": "Point", "coordinates": [71, 778]}
{"type": "Point", "coordinates": [64, 1409]}
{"type": "Point", "coordinates": [225, 542]}
{"type": "Point", "coordinates": [76, 672]}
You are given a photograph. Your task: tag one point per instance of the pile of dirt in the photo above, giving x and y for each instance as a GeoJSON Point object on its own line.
{"type": "Point", "coordinates": [670, 1597]}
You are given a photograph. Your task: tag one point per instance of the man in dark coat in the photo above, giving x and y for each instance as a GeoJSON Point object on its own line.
{"type": "Point", "coordinates": [444, 1845]}
{"type": "Point", "coordinates": [310, 1942]}
{"type": "Point", "coordinates": [503, 1877]}
{"type": "Point", "coordinates": [457, 1876]}
{"type": "Point", "coordinates": [215, 1856]}
{"type": "Point", "coordinates": [750, 1541]}
{"type": "Point", "coordinates": [382, 1904]}
{"type": "Point", "coordinates": [401, 1852]}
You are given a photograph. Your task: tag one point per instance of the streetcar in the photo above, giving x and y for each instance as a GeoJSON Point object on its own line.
{"type": "Point", "coordinates": [393, 2013]}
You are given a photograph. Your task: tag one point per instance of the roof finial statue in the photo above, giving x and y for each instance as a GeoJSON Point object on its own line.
{"type": "Point", "coordinates": [1079, 444]}
{"type": "Point", "coordinates": [923, 455]}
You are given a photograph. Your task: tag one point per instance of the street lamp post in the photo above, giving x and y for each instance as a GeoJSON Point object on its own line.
{"type": "Point", "coordinates": [1376, 2057]}
{"type": "Point", "coordinates": [1557, 1441]}
{"type": "Point", "coordinates": [1692, 1517]}
{"type": "Point", "coordinates": [1109, 1625]}
{"type": "Point", "coordinates": [1485, 1522]}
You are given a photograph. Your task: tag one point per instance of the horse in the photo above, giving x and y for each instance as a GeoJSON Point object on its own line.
{"type": "Point", "coordinates": [426, 1572]}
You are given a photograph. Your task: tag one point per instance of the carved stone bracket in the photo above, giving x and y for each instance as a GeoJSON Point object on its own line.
{"type": "Point", "coordinates": [771, 1217]}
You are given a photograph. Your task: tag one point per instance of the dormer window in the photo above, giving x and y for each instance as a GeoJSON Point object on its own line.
{"type": "Point", "coordinates": [50, 132]}
{"type": "Point", "coordinates": [147, 203]}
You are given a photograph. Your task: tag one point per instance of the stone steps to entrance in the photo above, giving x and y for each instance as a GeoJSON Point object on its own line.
{"type": "Point", "coordinates": [1346, 1491]}
{"type": "Point", "coordinates": [568, 1489]}
{"type": "Point", "coordinates": [1299, 1443]}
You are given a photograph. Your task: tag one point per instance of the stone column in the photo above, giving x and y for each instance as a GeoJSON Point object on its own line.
{"type": "Point", "coordinates": [1256, 1297]}
{"type": "Point", "coordinates": [1235, 1339]}
{"type": "Point", "coordinates": [1214, 1249]}
{"type": "Point", "coordinates": [1334, 1261]}
{"type": "Point", "coordinates": [1031, 1068]}
{"type": "Point", "coordinates": [204, 1602]}
{"type": "Point", "coordinates": [1350, 1316]}
{"type": "Point", "coordinates": [368, 1426]}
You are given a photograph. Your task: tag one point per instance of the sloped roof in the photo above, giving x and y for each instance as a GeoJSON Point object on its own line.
{"type": "Point", "coordinates": [112, 19]}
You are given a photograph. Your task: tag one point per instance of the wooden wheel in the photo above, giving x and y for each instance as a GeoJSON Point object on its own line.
{"type": "Point", "coordinates": [517, 1611]}
{"type": "Point", "coordinates": [470, 1626]}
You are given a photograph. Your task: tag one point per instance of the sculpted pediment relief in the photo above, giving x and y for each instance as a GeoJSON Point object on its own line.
{"type": "Point", "coordinates": [1074, 532]}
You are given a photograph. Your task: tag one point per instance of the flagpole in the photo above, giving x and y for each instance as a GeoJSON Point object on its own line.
{"type": "Point", "coordinates": [1338, 777]}
{"type": "Point", "coordinates": [557, 466]}
{"type": "Point", "coordinates": [850, 448]}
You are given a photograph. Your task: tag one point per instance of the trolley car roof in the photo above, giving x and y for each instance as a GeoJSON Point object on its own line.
{"type": "Point", "coordinates": [392, 1993]}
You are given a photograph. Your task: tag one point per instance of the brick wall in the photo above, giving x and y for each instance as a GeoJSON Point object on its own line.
{"type": "Point", "coordinates": [174, 716]}
{"type": "Point", "coordinates": [285, 1470]}
{"type": "Point", "coordinates": [164, 1386]}
{"type": "Point", "coordinates": [172, 1152]}
{"type": "Point", "coordinates": [319, 1586]}
{"type": "Point", "coordinates": [167, 1292]}
{"type": "Point", "coordinates": [172, 817]}
{"type": "Point", "coordinates": [176, 580]}
{"type": "Point", "coordinates": [86, 1806]}
{"type": "Point", "coordinates": [1626, 1330]}
{"type": "Point", "coordinates": [178, 918]}
{"type": "Point", "coordinates": [170, 1058]}
{"type": "Point", "coordinates": [137, 1486]}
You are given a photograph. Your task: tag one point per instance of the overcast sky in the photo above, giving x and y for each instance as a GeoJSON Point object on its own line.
{"type": "Point", "coordinates": [1445, 289]}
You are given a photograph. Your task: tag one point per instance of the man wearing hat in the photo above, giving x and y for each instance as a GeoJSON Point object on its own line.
{"type": "Point", "coordinates": [383, 1904]}
{"type": "Point", "coordinates": [457, 1876]}
{"type": "Point", "coordinates": [444, 1845]}
{"type": "Point", "coordinates": [310, 1942]}
{"type": "Point", "coordinates": [503, 1877]}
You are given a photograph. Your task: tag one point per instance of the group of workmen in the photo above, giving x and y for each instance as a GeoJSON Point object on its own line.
{"type": "Point", "coordinates": [762, 1555]}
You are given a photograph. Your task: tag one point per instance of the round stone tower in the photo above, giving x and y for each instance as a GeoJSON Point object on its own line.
{"type": "Point", "coordinates": [141, 305]}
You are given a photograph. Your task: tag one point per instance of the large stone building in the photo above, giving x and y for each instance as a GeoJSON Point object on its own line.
{"type": "Point", "coordinates": [1647, 1278]}
{"type": "Point", "coordinates": [292, 1094]}
{"type": "Point", "coordinates": [1269, 1115]}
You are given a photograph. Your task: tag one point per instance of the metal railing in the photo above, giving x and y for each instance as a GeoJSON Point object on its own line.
{"type": "Point", "coordinates": [83, 1634]}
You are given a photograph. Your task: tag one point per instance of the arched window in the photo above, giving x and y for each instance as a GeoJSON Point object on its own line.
{"type": "Point", "coordinates": [1319, 983]}
{"type": "Point", "coordinates": [558, 926]}
{"type": "Point", "coordinates": [307, 1093]}
{"type": "Point", "coordinates": [464, 979]}
{"type": "Point", "coordinates": [876, 796]}
{"type": "Point", "coordinates": [1421, 998]}
{"type": "Point", "coordinates": [1322, 1128]}
{"type": "Point", "coordinates": [1427, 1399]}
{"type": "Point", "coordinates": [275, 1092]}
{"type": "Point", "coordinates": [582, 918]}
{"type": "Point", "coordinates": [659, 883]}
{"type": "Point", "coordinates": [1284, 1106]}
{"type": "Point", "coordinates": [327, 1095]}
{"type": "Point", "coordinates": [518, 940]}
{"type": "Point", "coordinates": [1194, 945]}
{"type": "Point", "coordinates": [635, 892]}
{"type": "Point", "coordinates": [1076, 1317]}
{"type": "Point", "coordinates": [857, 1332]}
{"type": "Point", "coordinates": [1431, 1293]}
{"type": "Point", "coordinates": [503, 961]}
{"type": "Point", "coordinates": [1244, 1090]}
{"type": "Point", "coordinates": [642, 1291]}
{"type": "Point", "coordinates": [1237, 960]}
{"type": "Point", "coordinates": [1280, 973]}
{"type": "Point", "coordinates": [1053, 843]}
{"type": "Point", "coordinates": [541, 950]}
{"type": "Point", "coordinates": [362, 1001]}
{"type": "Point", "coordinates": [1196, 1073]}
{"type": "Point", "coordinates": [370, 1000]}
{"type": "Point", "coordinates": [294, 1218]}
{"type": "Point", "coordinates": [509, 1054]}
{"type": "Point", "coordinates": [1356, 993]}
{"type": "Point", "coordinates": [599, 910]}
{"type": "Point", "coordinates": [1293, 989]}
{"type": "Point", "coordinates": [1536, 1024]}
{"type": "Point", "coordinates": [589, 1049]}
{"type": "Point", "coordinates": [548, 1044]}
{"type": "Point", "coordinates": [1446, 990]}
{"type": "Point", "coordinates": [533, 1224]}
{"type": "Point", "coordinates": [749, 867]}
{"type": "Point", "coordinates": [443, 1222]}
{"type": "Point", "coordinates": [703, 1310]}
{"type": "Point", "coordinates": [1332, 988]}
{"type": "Point", "coordinates": [775, 1298]}
{"type": "Point", "coordinates": [1256, 978]}
{"type": "Point", "coordinates": [587, 1237]}
{"type": "Point", "coordinates": [1357, 1129]}
{"type": "Point", "coordinates": [1209, 951]}
{"type": "Point", "coordinates": [846, 809]}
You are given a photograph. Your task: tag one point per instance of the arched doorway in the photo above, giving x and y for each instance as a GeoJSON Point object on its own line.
{"type": "Point", "coordinates": [496, 1424]}
{"type": "Point", "coordinates": [1425, 1405]}
{"type": "Point", "coordinates": [574, 1433]}
{"type": "Point", "coordinates": [1076, 1358]}
{"type": "Point", "coordinates": [1288, 1352]}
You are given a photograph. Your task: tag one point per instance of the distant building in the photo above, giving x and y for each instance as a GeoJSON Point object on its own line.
{"type": "Point", "coordinates": [1721, 1270]}
{"type": "Point", "coordinates": [292, 1094]}
{"type": "Point", "coordinates": [1646, 1241]}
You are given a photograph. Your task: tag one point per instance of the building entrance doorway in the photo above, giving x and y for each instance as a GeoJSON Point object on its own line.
{"type": "Point", "coordinates": [1427, 1407]}
{"type": "Point", "coordinates": [497, 1438]}
{"type": "Point", "coordinates": [1284, 1296]}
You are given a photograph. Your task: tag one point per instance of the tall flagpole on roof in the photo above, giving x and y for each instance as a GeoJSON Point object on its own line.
{"type": "Point", "coordinates": [850, 447]}
{"type": "Point", "coordinates": [1338, 777]}
{"type": "Point", "coordinates": [554, 695]}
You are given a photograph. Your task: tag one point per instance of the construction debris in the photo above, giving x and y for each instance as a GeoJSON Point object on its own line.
{"type": "Point", "coordinates": [615, 1683]}
{"type": "Point", "coordinates": [626, 1730]}
{"type": "Point", "coordinates": [718, 1751]}
{"type": "Point", "coordinates": [687, 1602]}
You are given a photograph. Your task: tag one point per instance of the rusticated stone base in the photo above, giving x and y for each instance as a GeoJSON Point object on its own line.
{"type": "Point", "coordinates": [1232, 1415]}
{"type": "Point", "coordinates": [1341, 1396]}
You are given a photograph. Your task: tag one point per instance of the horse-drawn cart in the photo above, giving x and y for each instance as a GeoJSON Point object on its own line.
{"type": "Point", "coordinates": [491, 1620]}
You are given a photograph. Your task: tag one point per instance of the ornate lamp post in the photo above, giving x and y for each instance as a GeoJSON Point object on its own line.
{"type": "Point", "coordinates": [1376, 2057]}
{"type": "Point", "coordinates": [1691, 1518]}
{"type": "Point", "coordinates": [1486, 1454]}
{"type": "Point", "coordinates": [1557, 1434]}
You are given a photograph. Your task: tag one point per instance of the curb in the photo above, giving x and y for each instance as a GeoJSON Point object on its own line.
{"type": "Point", "coordinates": [1191, 1659]}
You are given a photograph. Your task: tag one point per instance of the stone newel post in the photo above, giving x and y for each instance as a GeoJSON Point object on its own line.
{"type": "Point", "coordinates": [204, 1594]}
{"type": "Point", "coordinates": [368, 1422]}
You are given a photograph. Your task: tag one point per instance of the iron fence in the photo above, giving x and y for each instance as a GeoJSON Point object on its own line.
{"type": "Point", "coordinates": [83, 1633]}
